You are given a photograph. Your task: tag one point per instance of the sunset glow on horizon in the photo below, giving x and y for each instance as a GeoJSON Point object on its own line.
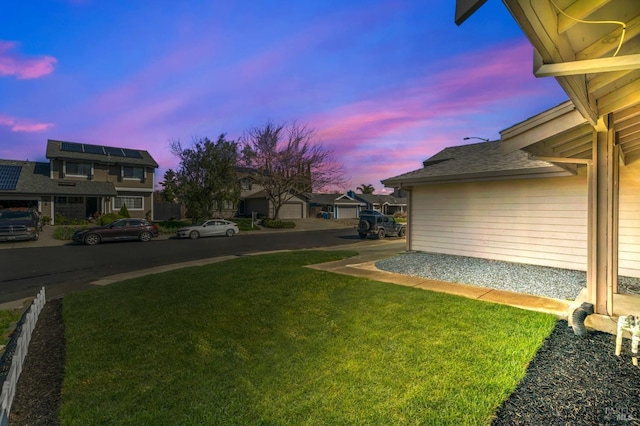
{"type": "Point", "coordinates": [385, 84]}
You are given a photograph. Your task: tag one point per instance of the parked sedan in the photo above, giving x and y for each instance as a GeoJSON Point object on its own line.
{"type": "Point", "coordinates": [119, 230]}
{"type": "Point", "coordinates": [209, 228]}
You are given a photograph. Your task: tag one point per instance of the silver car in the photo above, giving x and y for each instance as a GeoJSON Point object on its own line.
{"type": "Point", "coordinates": [209, 228]}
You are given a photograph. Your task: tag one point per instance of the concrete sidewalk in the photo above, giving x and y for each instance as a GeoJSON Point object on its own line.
{"type": "Point", "coordinates": [363, 265]}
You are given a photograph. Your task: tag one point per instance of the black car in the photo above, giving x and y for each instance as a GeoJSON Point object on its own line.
{"type": "Point", "coordinates": [119, 230]}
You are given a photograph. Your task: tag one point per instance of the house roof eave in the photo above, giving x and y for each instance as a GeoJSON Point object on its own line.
{"type": "Point", "coordinates": [530, 173]}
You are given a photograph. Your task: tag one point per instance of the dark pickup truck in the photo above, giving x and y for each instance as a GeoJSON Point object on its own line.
{"type": "Point", "coordinates": [20, 224]}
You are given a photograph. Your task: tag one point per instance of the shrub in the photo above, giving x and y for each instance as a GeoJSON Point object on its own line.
{"type": "Point", "coordinates": [124, 212]}
{"type": "Point", "coordinates": [46, 220]}
{"type": "Point", "coordinates": [244, 224]}
{"type": "Point", "coordinates": [65, 232]}
{"type": "Point", "coordinates": [61, 220]}
{"type": "Point", "coordinates": [274, 223]}
{"type": "Point", "coordinates": [171, 223]}
{"type": "Point", "coordinates": [105, 219]}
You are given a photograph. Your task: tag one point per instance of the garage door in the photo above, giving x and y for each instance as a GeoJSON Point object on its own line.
{"type": "Point", "coordinates": [290, 211]}
{"type": "Point", "coordinates": [347, 212]}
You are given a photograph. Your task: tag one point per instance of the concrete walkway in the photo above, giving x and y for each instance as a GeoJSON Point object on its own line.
{"type": "Point", "coordinates": [363, 266]}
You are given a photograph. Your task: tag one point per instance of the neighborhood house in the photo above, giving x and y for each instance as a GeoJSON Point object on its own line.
{"type": "Point", "coordinates": [81, 181]}
{"type": "Point", "coordinates": [492, 201]}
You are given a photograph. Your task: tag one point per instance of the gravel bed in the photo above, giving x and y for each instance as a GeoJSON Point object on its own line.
{"type": "Point", "coordinates": [37, 399]}
{"type": "Point", "coordinates": [522, 278]}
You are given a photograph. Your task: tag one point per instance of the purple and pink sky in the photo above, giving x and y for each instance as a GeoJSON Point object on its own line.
{"type": "Point", "coordinates": [385, 84]}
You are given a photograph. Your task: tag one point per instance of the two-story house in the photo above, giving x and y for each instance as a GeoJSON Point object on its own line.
{"type": "Point", "coordinates": [81, 181]}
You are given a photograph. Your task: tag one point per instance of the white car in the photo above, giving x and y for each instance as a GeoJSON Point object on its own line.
{"type": "Point", "coordinates": [209, 228]}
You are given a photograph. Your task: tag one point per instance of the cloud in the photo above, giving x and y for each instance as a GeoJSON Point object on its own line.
{"type": "Point", "coordinates": [12, 64]}
{"type": "Point", "coordinates": [393, 130]}
{"type": "Point", "coordinates": [27, 126]}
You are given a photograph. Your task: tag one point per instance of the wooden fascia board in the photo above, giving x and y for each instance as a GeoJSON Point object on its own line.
{"type": "Point", "coordinates": [538, 25]}
{"type": "Point", "coordinates": [575, 87]}
{"type": "Point", "coordinates": [543, 117]}
{"type": "Point", "coordinates": [587, 66]}
{"type": "Point", "coordinates": [542, 131]}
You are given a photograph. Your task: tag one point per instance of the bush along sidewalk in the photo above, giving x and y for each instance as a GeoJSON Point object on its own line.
{"type": "Point", "coordinates": [272, 223]}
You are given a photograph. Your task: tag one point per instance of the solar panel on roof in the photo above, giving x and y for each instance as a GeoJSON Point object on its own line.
{"type": "Point", "coordinates": [71, 147]}
{"type": "Point", "coordinates": [9, 176]}
{"type": "Point", "coordinates": [93, 149]}
{"type": "Point", "coordinates": [131, 153]}
{"type": "Point", "coordinates": [116, 152]}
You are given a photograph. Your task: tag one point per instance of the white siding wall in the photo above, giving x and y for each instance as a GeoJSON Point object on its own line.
{"type": "Point", "coordinates": [535, 221]}
{"type": "Point", "coordinates": [629, 221]}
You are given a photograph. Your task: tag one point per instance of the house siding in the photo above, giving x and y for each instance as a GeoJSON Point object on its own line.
{"type": "Point", "coordinates": [629, 221]}
{"type": "Point", "coordinates": [535, 221]}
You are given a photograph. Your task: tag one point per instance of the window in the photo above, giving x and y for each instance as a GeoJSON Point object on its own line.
{"type": "Point", "coordinates": [69, 200]}
{"type": "Point", "coordinates": [133, 173]}
{"type": "Point", "coordinates": [132, 203]}
{"type": "Point", "coordinates": [245, 184]}
{"type": "Point", "coordinates": [77, 169]}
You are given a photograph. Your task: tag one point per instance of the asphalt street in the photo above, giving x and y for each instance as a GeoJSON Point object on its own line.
{"type": "Point", "coordinates": [64, 267]}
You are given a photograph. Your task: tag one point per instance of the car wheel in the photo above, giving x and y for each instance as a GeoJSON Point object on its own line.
{"type": "Point", "coordinates": [401, 232]}
{"type": "Point", "coordinates": [194, 235]}
{"type": "Point", "coordinates": [381, 233]}
{"type": "Point", "coordinates": [92, 239]}
{"type": "Point", "coordinates": [145, 236]}
{"type": "Point", "coordinates": [230, 233]}
{"type": "Point", "coordinates": [362, 234]}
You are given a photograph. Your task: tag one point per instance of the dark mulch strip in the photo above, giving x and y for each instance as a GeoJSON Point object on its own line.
{"type": "Point", "coordinates": [571, 381]}
{"type": "Point", "coordinates": [577, 381]}
{"type": "Point", "coordinates": [37, 400]}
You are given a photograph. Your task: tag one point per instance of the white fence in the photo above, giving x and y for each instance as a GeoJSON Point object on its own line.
{"type": "Point", "coordinates": [10, 384]}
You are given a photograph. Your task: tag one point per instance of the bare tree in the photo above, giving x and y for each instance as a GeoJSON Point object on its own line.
{"type": "Point", "coordinates": [289, 161]}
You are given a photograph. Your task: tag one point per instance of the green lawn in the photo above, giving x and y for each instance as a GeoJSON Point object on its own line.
{"type": "Point", "coordinates": [262, 340]}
